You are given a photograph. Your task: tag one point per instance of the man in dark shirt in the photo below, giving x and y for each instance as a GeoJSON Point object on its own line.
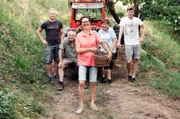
{"type": "Point", "coordinates": [68, 50]}
{"type": "Point", "coordinates": [54, 36]}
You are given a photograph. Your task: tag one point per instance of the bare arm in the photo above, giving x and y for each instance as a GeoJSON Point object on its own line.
{"type": "Point", "coordinates": [120, 35]}
{"type": "Point", "coordinates": [38, 31]}
{"type": "Point", "coordinates": [61, 35]}
{"type": "Point", "coordinates": [83, 50]}
{"type": "Point", "coordinates": [106, 47]}
{"type": "Point", "coordinates": [141, 39]}
{"type": "Point", "coordinates": [114, 44]}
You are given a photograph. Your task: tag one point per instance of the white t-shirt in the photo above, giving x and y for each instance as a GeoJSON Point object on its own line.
{"type": "Point", "coordinates": [131, 30]}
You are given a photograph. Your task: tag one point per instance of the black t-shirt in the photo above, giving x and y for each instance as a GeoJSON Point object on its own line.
{"type": "Point", "coordinates": [52, 30]}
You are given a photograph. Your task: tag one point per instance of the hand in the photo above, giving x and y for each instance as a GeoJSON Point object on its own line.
{"type": "Point", "coordinates": [93, 49]}
{"type": "Point", "coordinates": [109, 57]}
{"type": "Point", "coordinates": [118, 46]}
{"type": "Point", "coordinates": [45, 42]}
{"type": "Point", "coordinates": [141, 40]}
{"type": "Point", "coordinates": [61, 64]}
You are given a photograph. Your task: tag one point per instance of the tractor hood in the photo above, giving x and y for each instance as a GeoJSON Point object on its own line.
{"type": "Point", "coordinates": [87, 5]}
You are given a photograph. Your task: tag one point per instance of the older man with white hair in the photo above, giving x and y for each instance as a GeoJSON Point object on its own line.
{"type": "Point", "coordinates": [54, 37]}
{"type": "Point", "coordinates": [67, 56]}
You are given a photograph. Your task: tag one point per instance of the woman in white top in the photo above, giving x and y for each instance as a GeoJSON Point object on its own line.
{"type": "Point", "coordinates": [108, 35]}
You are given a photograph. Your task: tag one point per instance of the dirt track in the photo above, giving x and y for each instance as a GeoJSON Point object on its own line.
{"type": "Point", "coordinates": [120, 100]}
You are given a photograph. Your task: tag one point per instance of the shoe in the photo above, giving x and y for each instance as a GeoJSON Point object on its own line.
{"type": "Point", "coordinates": [132, 80]}
{"type": "Point", "coordinates": [129, 77]}
{"type": "Point", "coordinates": [109, 81]}
{"type": "Point", "coordinates": [93, 107]}
{"type": "Point", "coordinates": [61, 86]}
{"type": "Point", "coordinates": [80, 109]}
{"type": "Point", "coordinates": [48, 79]}
{"type": "Point", "coordinates": [102, 80]}
{"type": "Point", "coordinates": [55, 77]}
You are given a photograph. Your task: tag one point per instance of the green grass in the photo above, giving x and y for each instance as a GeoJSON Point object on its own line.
{"type": "Point", "coordinates": [22, 67]}
{"type": "Point", "coordinates": [163, 46]}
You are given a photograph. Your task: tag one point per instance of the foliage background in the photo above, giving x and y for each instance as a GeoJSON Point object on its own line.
{"type": "Point", "coordinates": [22, 69]}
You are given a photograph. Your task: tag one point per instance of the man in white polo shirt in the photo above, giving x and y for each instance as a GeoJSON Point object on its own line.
{"type": "Point", "coordinates": [130, 26]}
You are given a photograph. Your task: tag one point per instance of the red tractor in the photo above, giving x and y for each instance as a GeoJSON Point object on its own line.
{"type": "Point", "coordinates": [92, 8]}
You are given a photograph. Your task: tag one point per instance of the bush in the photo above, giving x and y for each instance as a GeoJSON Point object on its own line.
{"type": "Point", "coordinates": [165, 10]}
{"type": "Point", "coordinates": [7, 103]}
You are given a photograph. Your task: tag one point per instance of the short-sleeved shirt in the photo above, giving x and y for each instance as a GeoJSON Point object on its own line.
{"type": "Point", "coordinates": [108, 38]}
{"type": "Point", "coordinates": [69, 51]}
{"type": "Point", "coordinates": [52, 30]}
{"type": "Point", "coordinates": [131, 30]}
{"type": "Point", "coordinates": [89, 41]}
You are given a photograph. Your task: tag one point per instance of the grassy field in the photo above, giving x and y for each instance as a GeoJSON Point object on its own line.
{"type": "Point", "coordinates": [162, 44]}
{"type": "Point", "coordinates": [21, 56]}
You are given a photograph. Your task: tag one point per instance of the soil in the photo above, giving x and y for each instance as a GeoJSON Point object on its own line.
{"type": "Point", "coordinates": [119, 100]}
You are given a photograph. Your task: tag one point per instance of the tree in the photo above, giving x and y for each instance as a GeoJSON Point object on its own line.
{"type": "Point", "coordinates": [136, 5]}
{"type": "Point", "coordinates": [167, 11]}
{"type": "Point", "coordinates": [110, 4]}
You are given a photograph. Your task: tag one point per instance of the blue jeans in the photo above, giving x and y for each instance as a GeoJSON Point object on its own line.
{"type": "Point", "coordinates": [92, 73]}
{"type": "Point", "coordinates": [51, 53]}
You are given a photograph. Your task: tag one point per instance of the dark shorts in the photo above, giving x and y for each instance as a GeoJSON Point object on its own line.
{"type": "Point", "coordinates": [51, 54]}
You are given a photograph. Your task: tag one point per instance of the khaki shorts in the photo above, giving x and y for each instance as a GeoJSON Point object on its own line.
{"type": "Point", "coordinates": [69, 61]}
{"type": "Point", "coordinates": [132, 52]}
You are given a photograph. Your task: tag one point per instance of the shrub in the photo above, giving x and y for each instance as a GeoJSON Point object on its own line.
{"type": "Point", "coordinates": [165, 10]}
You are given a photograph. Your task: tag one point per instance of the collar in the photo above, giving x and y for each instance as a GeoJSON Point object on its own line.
{"type": "Point", "coordinates": [107, 30]}
{"type": "Point", "coordinates": [52, 21]}
{"type": "Point", "coordinates": [90, 33]}
{"type": "Point", "coordinates": [130, 19]}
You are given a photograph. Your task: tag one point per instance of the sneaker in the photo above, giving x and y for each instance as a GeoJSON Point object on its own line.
{"type": "Point", "coordinates": [102, 80]}
{"type": "Point", "coordinates": [61, 86]}
{"type": "Point", "coordinates": [48, 79]}
{"type": "Point", "coordinates": [80, 110]}
{"type": "Point", "coordinates": [129, 77]}
{"type": "Point", "coordinates": [93, 107]}
{"type": "Point", "coordinates": [109, 81]}
{"type": "Point", "coordinates": [132, 80]}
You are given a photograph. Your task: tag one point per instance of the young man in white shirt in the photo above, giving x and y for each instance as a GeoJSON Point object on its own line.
{"type": "Point", "coordinates": [130, 26]}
